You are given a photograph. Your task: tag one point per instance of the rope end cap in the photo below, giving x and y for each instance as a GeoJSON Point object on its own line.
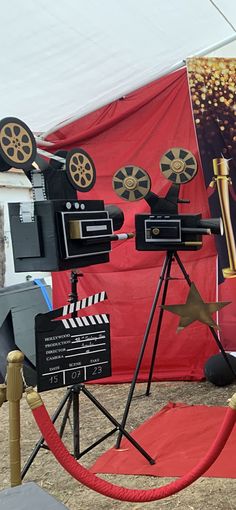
{"type": "Point", "coordinates": [33, 398]}
{"type": "Point", "coordinates": [232, 402]}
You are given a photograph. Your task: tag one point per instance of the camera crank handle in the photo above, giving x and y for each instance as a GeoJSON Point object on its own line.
{"type": "Point", "coordinates": [112, 237]}
{"type": "Point", "coordinates": [122, 237]}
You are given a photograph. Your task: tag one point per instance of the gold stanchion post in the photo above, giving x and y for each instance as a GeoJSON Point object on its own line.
{"type": "Point", "coordinates": [222, 179]}
{"type": "Point", "coordinates": [14, 395]}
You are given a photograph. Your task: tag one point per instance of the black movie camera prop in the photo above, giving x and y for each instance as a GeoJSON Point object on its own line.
{"type": "Point", "coordinates": [56, 231]}
{"type": "Point", "coordinates": [55, 235]}
{"type": "Point", "coordinates": [165, 229]}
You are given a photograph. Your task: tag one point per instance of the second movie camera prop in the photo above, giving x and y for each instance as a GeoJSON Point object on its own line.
{"type": "Point", "coordinates": [56, 231]}
{"type": "Point", "coordinates": [164, 228]}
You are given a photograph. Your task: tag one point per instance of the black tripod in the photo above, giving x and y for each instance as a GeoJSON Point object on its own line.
{"type": "Point", "coordinates": [71, 399]}
{"type": "Point", "coordinates": [164, 279]}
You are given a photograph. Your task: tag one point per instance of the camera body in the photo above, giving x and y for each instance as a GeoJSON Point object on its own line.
{"type": "Point", "coordinates": [158, 232]}
{"type": "Point", "coordinates": [55, 235]}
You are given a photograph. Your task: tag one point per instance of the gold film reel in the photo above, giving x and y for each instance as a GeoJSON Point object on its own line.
{"type": "Point", "coordinates": [178, 165]}
{"type": "Point", "coordinates": [17, 143]}
{"type": "Point", "coordinates": [80, 170]}
{"type": "Point", "coordinates": [131, 183]}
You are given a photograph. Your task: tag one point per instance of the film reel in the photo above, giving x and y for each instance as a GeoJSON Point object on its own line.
{"type": "Point", "coordinates": [80, 170]}
{"type": "Point", "coordinates": [17, 144]}
{"type": "Point", "coordinates": [131, 183]}
{"type": "Point", "coordinates": [178, 165]}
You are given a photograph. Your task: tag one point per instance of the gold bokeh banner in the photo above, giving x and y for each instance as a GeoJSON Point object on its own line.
{"type": "Point", "coordinates": [212, 92]}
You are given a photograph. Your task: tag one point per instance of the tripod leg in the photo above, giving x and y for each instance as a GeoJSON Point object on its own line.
{"type": "Point", "coordinates": [213, 332]}
{"type": "Point", "coordinates": [73, 400]}
{"type": "Point", "coordinates": [96, 443]}
{"type": "Point", "coordinates": [66, 415]}
{"type": "Point", "coordinates": [76, 432]}
{"type": "Point", "coordinates": [159, 326]}
{"type": "Point", "coordinates": [143, 347]}
{"type": "Point", "coordinates": [117, 425]}
{"type": "Point", "coordinates": [216, 338]}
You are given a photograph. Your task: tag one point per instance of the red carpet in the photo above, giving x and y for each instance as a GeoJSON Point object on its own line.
{"type": "Point", "coordinates": [177, 438]}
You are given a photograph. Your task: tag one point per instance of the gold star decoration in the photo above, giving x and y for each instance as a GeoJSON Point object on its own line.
{"type": "Point", "coordinates": [195, 310]}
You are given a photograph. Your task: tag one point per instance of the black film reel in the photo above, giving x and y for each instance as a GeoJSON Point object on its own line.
{"type": "Point", "coordinates": [131, 183]}
{"type": "Point", "coordinates": [178, 165]}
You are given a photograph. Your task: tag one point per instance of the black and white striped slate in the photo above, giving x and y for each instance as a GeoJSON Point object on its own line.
{"type": "Point", "coordinates": [72, 350]}
{"type": "Point", "coordinates": [78, 305]}
{"type": "Point", "coordinates": [88, 320]}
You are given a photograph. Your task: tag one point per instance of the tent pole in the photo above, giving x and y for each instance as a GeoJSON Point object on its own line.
{"type": "Point", "coordinates": [214, 47]}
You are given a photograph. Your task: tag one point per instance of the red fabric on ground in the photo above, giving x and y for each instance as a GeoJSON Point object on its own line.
{"type": "Point", "coordinates": [177, 438]}
{"type": "Point", "coordinates": [138, 130]}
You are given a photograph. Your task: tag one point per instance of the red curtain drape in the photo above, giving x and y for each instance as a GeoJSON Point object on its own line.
{"type": "Point", "coordinates": [138, 129]}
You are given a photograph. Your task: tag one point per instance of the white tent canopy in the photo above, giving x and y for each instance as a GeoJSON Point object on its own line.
{"type": "Point", "coordinates": [64, 58]}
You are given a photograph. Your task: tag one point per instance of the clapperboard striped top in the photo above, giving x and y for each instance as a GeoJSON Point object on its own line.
{"type": "Point", "coordinates": [78, 305]}
{"type": "Point", "coordinates": [85, 321]}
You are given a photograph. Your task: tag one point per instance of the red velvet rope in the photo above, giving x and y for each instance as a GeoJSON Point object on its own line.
{"type": "Point", "coordinates": [89, 479]}
{"type": "Point", "coordinates": [210, 191]}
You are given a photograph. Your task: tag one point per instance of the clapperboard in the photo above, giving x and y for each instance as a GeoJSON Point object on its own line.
{"type": "Point", "coordinates": [70, 351]}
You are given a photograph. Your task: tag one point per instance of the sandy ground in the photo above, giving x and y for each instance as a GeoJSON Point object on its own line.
{"type": "Point", "coordinates": [205, 494]}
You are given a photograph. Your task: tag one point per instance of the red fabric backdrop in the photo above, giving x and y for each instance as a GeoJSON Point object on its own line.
{"type": "Point", "coordinates": [138, 129]}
